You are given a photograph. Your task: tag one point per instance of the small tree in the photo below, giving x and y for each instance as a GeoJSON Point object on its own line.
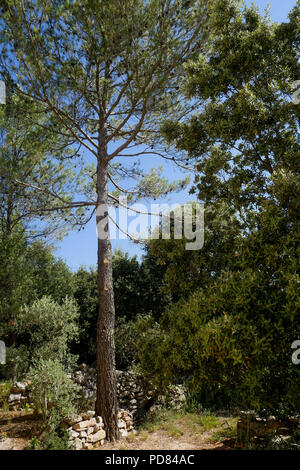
{"type": "Point", "coordinates": [48, 328]}
{"type": "Point", "coordinates": [52, 391]}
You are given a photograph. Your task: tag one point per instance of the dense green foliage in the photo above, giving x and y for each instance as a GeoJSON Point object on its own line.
{"type": "Point", "coordinates": [34, 309]}
{"type": "Point", "coordinates": [13, 278]}
{"type": "Point", "coordinates": [48, 328]}
{"type": "Point", "coordinates": [49, 276]}
{"type": "Point", "coordinates": [183, 271]}
{"type": "Point", "coordinates": [28, 273]}
{"type": "Point", "coordinates": [231, 340]}
{"type": "Point", "coordinates": [138, 291]}
{"type": "Point", "coordinates": [34, 288]}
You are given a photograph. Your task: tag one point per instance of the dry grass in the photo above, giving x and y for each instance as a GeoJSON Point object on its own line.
{"type": "Point", "coordinates": [168, 430]}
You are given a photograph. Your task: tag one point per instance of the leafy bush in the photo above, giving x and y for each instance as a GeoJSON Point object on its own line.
{"type": "Point", "coordinates": [28, 272]}
{"type": "Point", "coordinates": [232, 340]}
{"type": "Point", "coordinates": [125, 341]}
{"type": "Point", "coordinates": [57, 440]}
{"type": "Point", "coordinates": [127, 338]}
{"type": "Point", "coordinates": [34, 444]}
{"type": "Point", "coordinates": [47, 328]}
{"type": "Point", "coordinates": [229, 347]}
{"type": "Point", "coordinates": [53, 392]}
{"type": "Point", "coordinates": [4, 393]}
{"type": "Point", "coordinates": [17, 362]}
{"type": "Point", "coordinates": [137, 291]}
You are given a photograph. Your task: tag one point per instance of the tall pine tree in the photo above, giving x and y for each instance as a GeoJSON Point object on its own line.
{"type": "Point", "coordinates": [108, 70]}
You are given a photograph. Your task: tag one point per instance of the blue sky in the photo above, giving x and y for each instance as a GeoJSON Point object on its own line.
{"type": "Point", "coordinates": [80, 248]}
{"type": "Point", "coordinates": [279, 9]}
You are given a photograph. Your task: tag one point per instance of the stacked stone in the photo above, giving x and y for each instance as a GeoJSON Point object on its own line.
{"type": "Point", "coordinates": [135, 393]}
{"type": "Point", "coordinates": [85, 430]}
{"type": "Point", "coordinates": [251, 426]}
{"type": "Point", "coordinates": [86, 377]}
{"type": "Point", "coordinates": [19, 394]}
{"type": "Point", "coordinates": [173, 398]}
{"type": "Point", "coordinates": [125, 423]}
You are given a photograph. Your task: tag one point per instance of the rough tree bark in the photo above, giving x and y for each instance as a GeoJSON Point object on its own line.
{"type": "Point", "coordinates": [106, 402]}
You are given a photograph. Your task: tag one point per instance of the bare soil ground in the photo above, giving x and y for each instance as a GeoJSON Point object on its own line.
{"type": "Point", "coordinates": [175, 431]}
{"type": "Point", "coordinates": [168, 431]}
{"type": "Point", "coordinates": [16, 428]}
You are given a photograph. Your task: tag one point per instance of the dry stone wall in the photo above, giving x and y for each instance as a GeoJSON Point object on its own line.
{"type": "Point", "coordinates": [19, 394]}
{"type": "Point", "coordinates": [87, 430]}
{"type": "Point", "coordinates": [135, 393]}
{"type": "Point", "coordinates": [251, 426]}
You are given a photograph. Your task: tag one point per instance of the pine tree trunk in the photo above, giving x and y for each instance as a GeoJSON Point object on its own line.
{"type": "Point", "coordinates": [106, 403]}
{"type": "Point", "coordinates": [9, 229]}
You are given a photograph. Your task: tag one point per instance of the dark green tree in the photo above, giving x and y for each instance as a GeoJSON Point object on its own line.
{"type": "Point", "coordinates": [49, 276]}
{"type": "Point", "coordinates": [14, 277]}
{"type": "Point", "coordinates": [137, 290]}
{"type": "Point", "coordinates": [138, 286]}
{"type": "Point", "coordinates": [183, 271]}
{"type": "Point", "coordinates": [86, 296]}
{"type": "Point", "coordinates": [234, 336]}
